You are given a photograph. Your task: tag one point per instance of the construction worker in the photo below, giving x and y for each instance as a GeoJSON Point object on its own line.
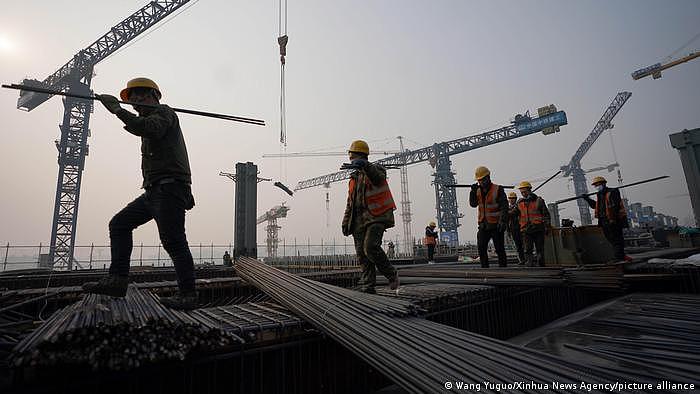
{"type": "Point", "coordinates": [227, 259]}
{"type": "Point", "coordinates": [368, 213]}
{"type": "Point", "coordinates": [611, 214]}
{"type": "Point", "coordinates": [490, 199]}
{"type": "Point", "coordinates": [431, 239]}
{"type": "Point", "coordinates": [534, 223]}
{"type": "Point", "coordinates": [514, 226]}
{"type": "Point", "coordinates": [166, 181]}
{"type": "Point", "coordinates": [390, 250]}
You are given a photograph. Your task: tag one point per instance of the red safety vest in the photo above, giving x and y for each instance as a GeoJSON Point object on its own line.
{"type": "Point", "coordinates": [529, 214]}
{"type": "Point", "coordinates": [378, 199]}
{"type": "Point", "coordinates": [610, 214]}
{"type": "Point", "coordinates": [488, 208]}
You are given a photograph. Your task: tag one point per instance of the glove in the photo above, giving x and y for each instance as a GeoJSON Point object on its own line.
{"type": "Point", "coordinates": [475, 187]}
{"type": "Point", "coordinates": [110, 102]}
{"type": "Point", "coordinates": [359, 163]}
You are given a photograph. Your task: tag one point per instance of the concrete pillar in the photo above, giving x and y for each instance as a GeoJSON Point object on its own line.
{"type": "Point", "coordinates": [244, 230]}
{"type": "Point", "coordinates": [688, 144]}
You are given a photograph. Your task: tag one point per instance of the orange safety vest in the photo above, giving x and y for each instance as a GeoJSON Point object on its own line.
{"type": "Point", "coordinates": [612, 216]}
{"type": "Point", "coordinates": [378, 199]}
{"type": "Point", "coordinates": [488, 208]}
{"type": "Point", "coordinates": [529, 214]}
{"type": "Point", "coordinates": [430, 240]}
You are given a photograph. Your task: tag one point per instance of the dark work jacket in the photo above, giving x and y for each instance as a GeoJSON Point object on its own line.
{"type": "Point", "coordinates": [615, 199]}
{"type": "Point", "coordinates": [163, 150]}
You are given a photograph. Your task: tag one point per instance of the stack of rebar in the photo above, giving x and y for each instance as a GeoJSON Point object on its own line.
{"type": "Point", "coordinates": [419, 355]}
{"type": "Point", "coordinates": [119, 334]}
{"type": "Point", "coordinates": [609, 277]}
{"type": "Point", "coordinates": [462, 274]}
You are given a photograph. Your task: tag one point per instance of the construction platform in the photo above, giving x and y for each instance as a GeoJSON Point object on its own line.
{"type": "Point", "coordinates": [278, 352]}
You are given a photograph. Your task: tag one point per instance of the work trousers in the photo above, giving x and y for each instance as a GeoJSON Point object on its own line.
{"type": "Point", "coordinates": [613, 233]}
{"type": "Point", "coordinates": [166, 203]}
{"type": "Point", "coordinates": [534, 240]}
{"type": "Point", "coordinates": [483, 236]}
{"type": "Point", "coordinates": [517, 238]}
{"type": "Point", "coordinates": [431, 252]}
{"type": "Point", "coordinates": [368, 246]}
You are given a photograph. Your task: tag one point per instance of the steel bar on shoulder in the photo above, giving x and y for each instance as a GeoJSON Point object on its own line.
{"type": "Point", "coordinates": [183, 110]}
{"type": "Point", "coordinates": [461, 185]}
{"type": "Point", "coordinates": [545, 182]}
{"type": "Point", "coordinates": [619, 187]}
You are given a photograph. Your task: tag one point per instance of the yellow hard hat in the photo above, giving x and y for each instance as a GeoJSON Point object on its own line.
{"type": "Point", "coordinates": [524, 185]}
{"type": "Point", "coordinates": [359, 146]}
{"type": "Point", "coordinates": [432, 224]}
{"type": "Point", "coordinates": [139, 83]}
{"type": "Point", "coordinates": [481, 172]}
{"type": "Point", "coordinates": [597, 180]}
{"type": "Point", "coordinates": [512, 195]}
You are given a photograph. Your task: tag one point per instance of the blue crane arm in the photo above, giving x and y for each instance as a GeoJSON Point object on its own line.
{"type": "Point", "coordinates": [602, 125]}
{"type": "Point", "coordinates": [449, 148]}
{"type": "Point", "coordinates": [82, 63]}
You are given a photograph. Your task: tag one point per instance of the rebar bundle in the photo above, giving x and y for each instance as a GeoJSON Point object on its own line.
{"type": "Point", "coordinates": [605, 277]}
{"type": "Point", "coordinates": [119, 334]}
{"type": "Point", "coordinates": [419, 355]}
{"type": "Point", "coordinates": [456, 274]}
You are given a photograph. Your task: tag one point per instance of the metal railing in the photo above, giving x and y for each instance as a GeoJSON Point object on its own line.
{"type": "Point", "coordinates": [94, 256]}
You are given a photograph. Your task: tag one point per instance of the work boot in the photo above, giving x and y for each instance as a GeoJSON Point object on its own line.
{"type": "Point", "coordinates": [111, 285]}
{"type": "Point", "coordinates": [369, 290]}
{"type": "Point", "coordinates": [181, 300]}
{"type": "Point", "coordinates": [394, 283]}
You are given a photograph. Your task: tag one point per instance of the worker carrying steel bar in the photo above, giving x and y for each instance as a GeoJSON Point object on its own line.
{"type": "Point", "coordinates": [611, 214]}
{"type": "Point", "coordinates": [430, 241]}
{"type": "Point", "coordinates": [166, 181]}
{"type": "Point", "coordinates": [514, 226]}
{"type": "Point", "coordinates": [490, 199]}
{"type": "Point", "coordinates": [368, 213]}
{"type": "Point", "coordinates": [534, 224]}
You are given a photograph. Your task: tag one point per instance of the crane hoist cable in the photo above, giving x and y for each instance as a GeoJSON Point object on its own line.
{"type": "Point", "coordinates": [282, 40]}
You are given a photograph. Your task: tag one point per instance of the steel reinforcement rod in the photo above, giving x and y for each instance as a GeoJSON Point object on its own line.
{"type": "Point", "coordinates": [419, 355]}
{"type": "Point", "coordinates": [119, 334]}
{"type": "Point", "coordinates": [183, 110]}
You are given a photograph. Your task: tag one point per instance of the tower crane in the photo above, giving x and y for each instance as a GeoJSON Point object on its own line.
{"type": "Point", "coordinates": [272, 241]}
{"type": "Point", "coordinates": [75, 77]}
{"type": "Point", "coordinates": [655, 69]}
{"type": "Point", "coordinates": [438, 155]}
{"type": "Point", "coordinates": [574, 170]}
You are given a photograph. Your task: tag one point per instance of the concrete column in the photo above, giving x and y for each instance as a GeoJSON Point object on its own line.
{"type": "Point", "coordinates": [687, 142]}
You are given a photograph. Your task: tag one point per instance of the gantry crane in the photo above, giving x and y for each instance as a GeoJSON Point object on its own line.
{"type": "Point", "coordinates": [439, 155]}
{"type": "Point", "coordinates": [272, 241]}
{"type": "Point", "coordinates": [574, 170]}
{"type": "Point", "coordinates": [655, 69]}
{"type": "Point", "coordinates": [75, 77]}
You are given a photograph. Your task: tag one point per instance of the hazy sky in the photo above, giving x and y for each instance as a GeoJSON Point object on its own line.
{"type": "Point", "coordinates": [428, 70]}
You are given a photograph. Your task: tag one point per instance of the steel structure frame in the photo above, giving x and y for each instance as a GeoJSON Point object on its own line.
{"type": "Point", "coordinates": [75, 76]}
{"type": "Point", "coordinates": [438, 155]}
